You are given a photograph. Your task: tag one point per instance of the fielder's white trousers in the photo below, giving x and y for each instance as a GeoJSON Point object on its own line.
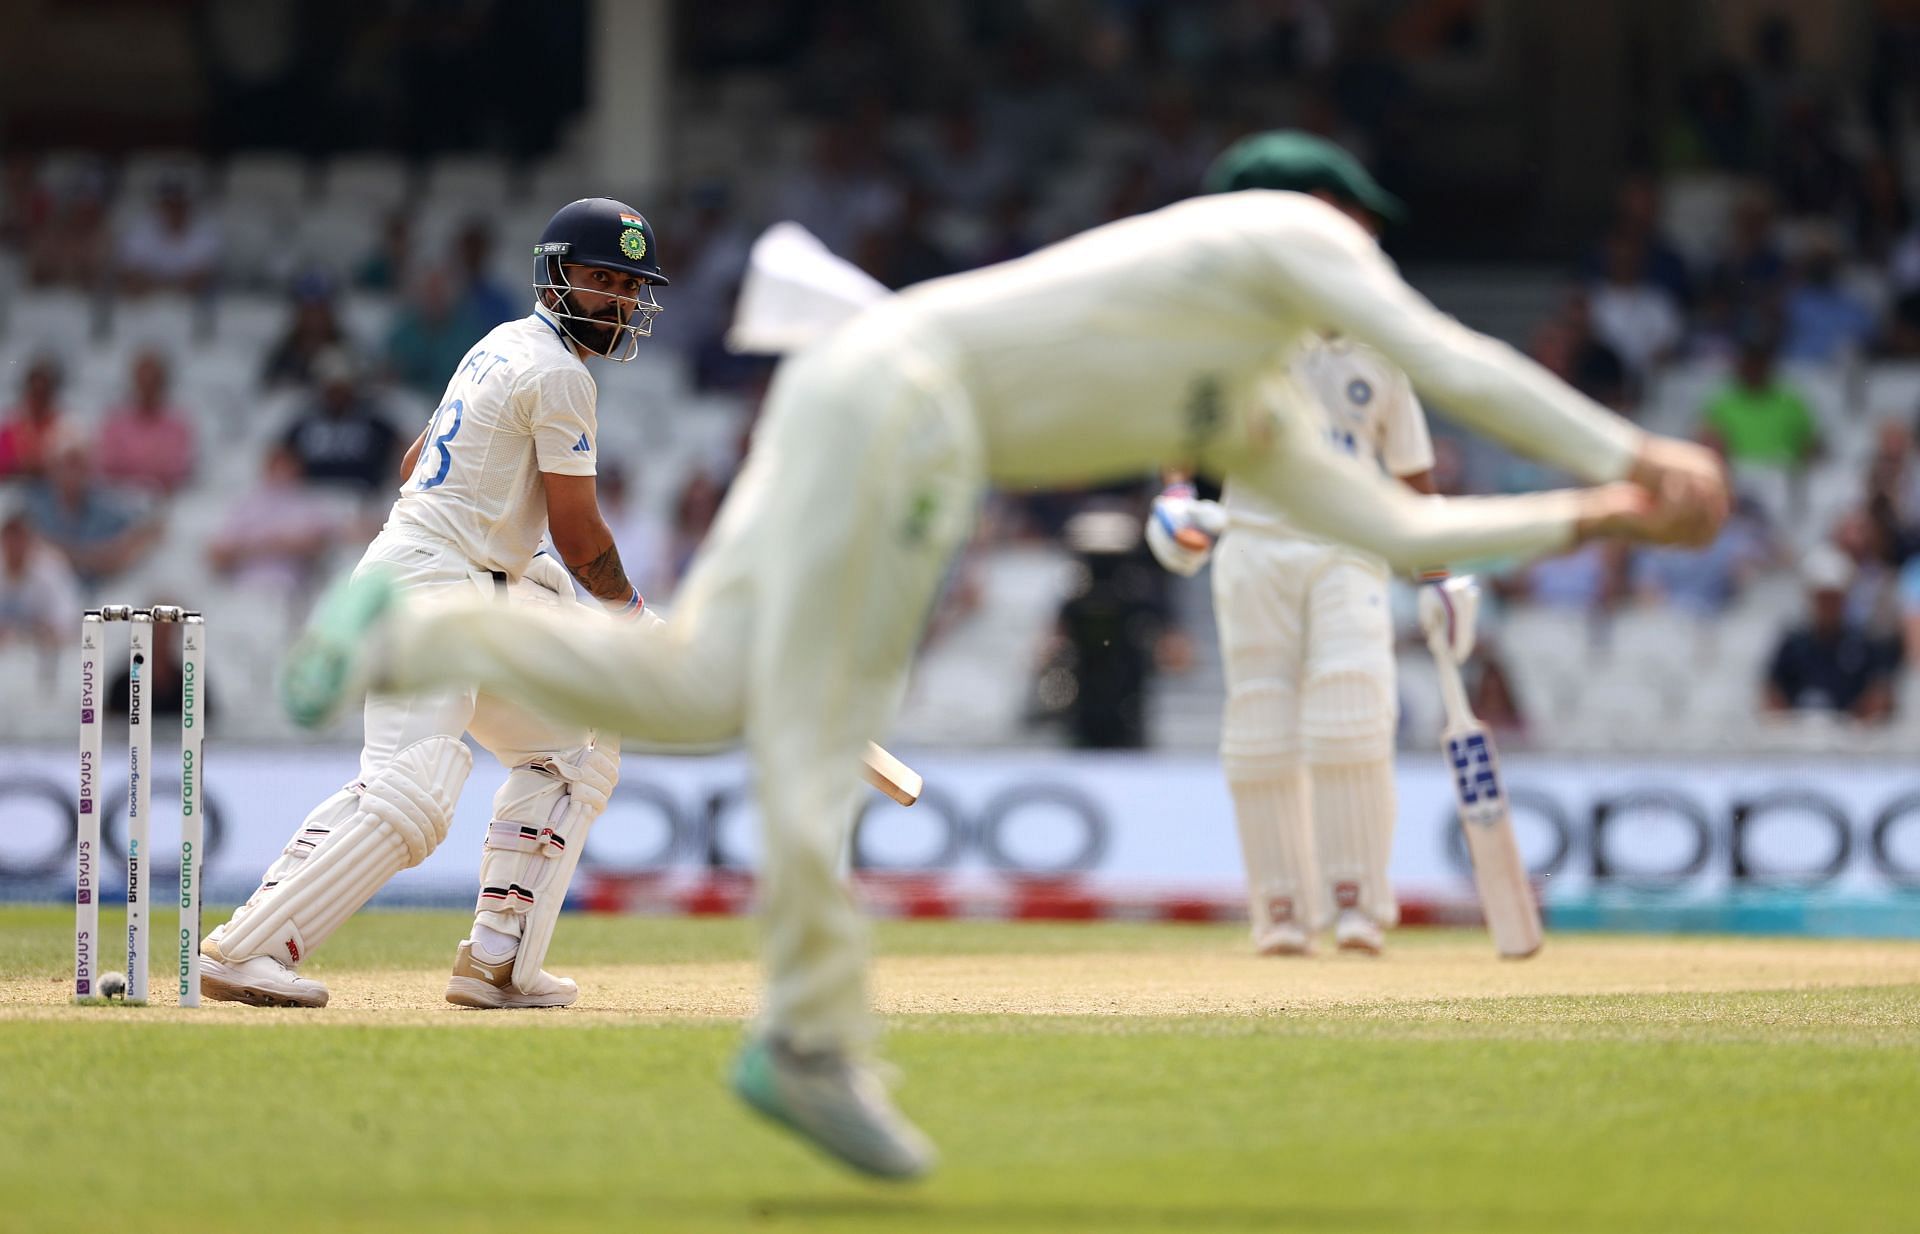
{"type": "Point", "coordinates": [794, 630]}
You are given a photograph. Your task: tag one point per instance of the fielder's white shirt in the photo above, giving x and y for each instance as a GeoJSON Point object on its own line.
{"type": "Point", "coordinates": [1143, 343]}
{"type": "Point", "coordinates": [520, 403]}
{"type": "Point", "coordinates": [1370, 412]}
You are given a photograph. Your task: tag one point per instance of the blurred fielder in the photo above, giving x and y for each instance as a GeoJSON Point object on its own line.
{"type": "Point", "coordinates": [1306, 634]}
{"type": "Point", "coordinates": [1148, 343]}
{"type": "Point", "coordinates": [507, 458]}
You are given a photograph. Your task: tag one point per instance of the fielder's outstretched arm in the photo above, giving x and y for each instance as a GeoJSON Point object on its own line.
{"type": "Point", "coordinates": [1339, 277]}
{"type": "Point", "coordinates": [1332, 495]}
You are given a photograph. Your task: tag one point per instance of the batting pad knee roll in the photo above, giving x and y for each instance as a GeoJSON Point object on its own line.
{"type": "Point", "coordinates": [1348, 716]}
{"type": "Point", "coordinates": [1260, 733]}
{"type": "Point", "coordinates": [415, 793]}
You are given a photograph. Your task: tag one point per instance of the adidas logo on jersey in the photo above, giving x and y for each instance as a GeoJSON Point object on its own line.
{"type": "Point", "coordinates": [583, 446]}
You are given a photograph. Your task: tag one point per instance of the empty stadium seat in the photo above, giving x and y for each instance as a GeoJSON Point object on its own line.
{"type": "Point", "coordinates": [1891, 389]}
{"type": "Point", "coordinates": [268, 179]}
{"type": "Point", "coordinates": [1694, 211]}
{"type": "Point", "coordinates": [373, 182]}
{"type": "Point", "coordinates": [168, 321]}
{"type": "Point", "coordinates": [146, 170]}
{"type": "Point", "coordinates": [468, 184]}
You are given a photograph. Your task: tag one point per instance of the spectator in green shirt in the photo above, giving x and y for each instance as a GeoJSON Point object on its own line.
{"type": "Point", "coordinates": [1760, 418]}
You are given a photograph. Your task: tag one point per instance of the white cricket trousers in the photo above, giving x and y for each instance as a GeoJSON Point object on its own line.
{"type": "Point", "coordinates": [794, 629]}
{"type": "Point", "coordinates": [432, 567]}
{"type": "Point", "coordinates": [1306, 639]}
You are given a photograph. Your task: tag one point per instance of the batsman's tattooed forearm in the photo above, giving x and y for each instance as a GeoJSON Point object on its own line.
{"type": "Point", "coordinates": [604, 576]}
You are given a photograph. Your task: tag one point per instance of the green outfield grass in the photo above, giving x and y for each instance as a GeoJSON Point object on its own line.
{"type": "Point", "coordinates": [1743, 1110]}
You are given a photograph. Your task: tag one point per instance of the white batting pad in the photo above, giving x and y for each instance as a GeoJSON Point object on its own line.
{"type": "Point", "coordinates": [1276, 841]}
{"type": "Point", "coordinates": [541, 817]}
{"type": "Point", "coordinates": [403, 815]}
{"type": "Point", "coordinates": [1353, 814]}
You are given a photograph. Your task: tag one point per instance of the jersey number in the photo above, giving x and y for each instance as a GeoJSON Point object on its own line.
{"type": "Point", "coordinates": [440, 443]}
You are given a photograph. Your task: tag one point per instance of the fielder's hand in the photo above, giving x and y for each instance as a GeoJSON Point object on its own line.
{"type": "Point", "coordinates": [1181, 529]}
{"type": "Point", "coordinates": [1624, 509]}
{"type": "Point", "coordinates": [1689, 489]}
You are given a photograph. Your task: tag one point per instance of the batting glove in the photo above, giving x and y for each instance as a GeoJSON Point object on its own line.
{"type": "Point", "coordinates": [1449, 614]}
{"type": "Point", "coordinates": [1181, 529]}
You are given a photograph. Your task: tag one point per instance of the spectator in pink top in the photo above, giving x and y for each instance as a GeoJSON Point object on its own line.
{"type": "Point", "coordinates": [147, 442]}
{"type": "Point", "coordinates": [29, 429]}
{"type": "Point", "coordinates": [277, 536]}
{"type": "Point", "coordinates": [38, 593]}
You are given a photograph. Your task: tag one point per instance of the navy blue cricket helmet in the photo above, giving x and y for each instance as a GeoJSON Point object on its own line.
{"type": "Point", "coordinates": [607, 235]}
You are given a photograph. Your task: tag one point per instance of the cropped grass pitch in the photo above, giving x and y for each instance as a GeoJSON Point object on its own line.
{"type": "Point", "coordinates": [1113, 1078]}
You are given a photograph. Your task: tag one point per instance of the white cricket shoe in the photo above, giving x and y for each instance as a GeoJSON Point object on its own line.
{"type": "Point", "coordinates": [1286, 938]}
{"type": "Point", "coordinates": [1355, 931]}
{"type": "Point", "coordinates": [836, 1102]}
{"type": "Point", "coordinates": [260, 981]}
{"type": "Point", "coordinates": [489, 986]}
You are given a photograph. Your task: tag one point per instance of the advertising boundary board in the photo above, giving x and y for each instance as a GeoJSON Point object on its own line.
{"type": "Point", "coordinates": [1611, 841]}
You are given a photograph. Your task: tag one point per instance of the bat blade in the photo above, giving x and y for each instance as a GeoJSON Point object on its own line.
{"type": "Point", "coordinates": [1506, 895]}
{"type": "Point", "coordinates": [891, 776]}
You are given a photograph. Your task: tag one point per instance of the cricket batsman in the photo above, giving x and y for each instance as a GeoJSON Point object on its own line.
{"type": "Point", "coordinates": [507, 458]}
{"type": "Point", "coordinates": [1157, 341]}
{"type": "Point", "coordinates": [1306, 633]}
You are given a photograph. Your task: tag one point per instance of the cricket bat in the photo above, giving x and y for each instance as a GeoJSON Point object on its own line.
{"type": "Point", "coordinates": [891, 776]}
{"type": "Point", "coordinates": [1506, 896]}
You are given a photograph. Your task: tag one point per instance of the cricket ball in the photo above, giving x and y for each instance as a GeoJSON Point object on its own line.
{"type": "Point", "coordinates": [113, 985]}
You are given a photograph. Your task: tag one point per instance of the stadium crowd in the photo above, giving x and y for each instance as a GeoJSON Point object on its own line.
{"type": "Point", "coordinates": [214, 361]}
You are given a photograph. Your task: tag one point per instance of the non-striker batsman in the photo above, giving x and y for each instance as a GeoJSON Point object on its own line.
{"type": "Point", "coordinates": [1306, 633]}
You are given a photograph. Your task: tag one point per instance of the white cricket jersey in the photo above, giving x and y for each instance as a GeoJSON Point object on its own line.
{"type": "Point", "coordinates": [1370, 412]}
{"type": "Point", "coordinates": [1142, 343]}
{"type": "Point", "coordinates": [520, 403]}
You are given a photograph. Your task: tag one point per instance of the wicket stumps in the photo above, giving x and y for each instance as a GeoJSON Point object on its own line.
{"type": "Point", "coordinates": [86, 931]}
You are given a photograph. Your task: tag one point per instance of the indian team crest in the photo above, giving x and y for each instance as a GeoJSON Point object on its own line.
{"type": "Point", "coordinates": [633, 242]}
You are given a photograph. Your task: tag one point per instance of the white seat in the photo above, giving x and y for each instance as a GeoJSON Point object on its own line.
{"type": "Point", "coordinates": [468, 184]}
{"type": "Point", "coordinates": [54, 319]}
{"type": "Point", "coordinates": [1825, 389]}
{"type": "Point", "coordinates": [1892, 390]}
{"type": "Point", "coordinates": [167, 321]}
{"type": "Point", "coordinates": [368, 320]}
{"type": "Point", "coordinates": [558, 181]}
{"type": "Point", "coordinates": [277, 180]}
{"type": "Point", "coordinates": [338, 237]}
{"type": "Point", "coordinates": [146, 170]}
{"type": "Point", "coordinates": [254, 249]}
{"type": "Point", "coordinates": [26, 672]}
{"type": "Point", "coordinates": [376, 183]}
{"type": "Point", "coordinates": [1694, 211]}
{"type": "Point", "coordinates": [251, 320]}
{"type": "Point", "coordinates": [1677, 396]}
{"type": "Point", "coordinates": [1832, 488]}
{"type": "Point", "coordinates": [1548, 652]}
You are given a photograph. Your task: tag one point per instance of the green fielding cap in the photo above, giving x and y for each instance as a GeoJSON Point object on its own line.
{"type": "Point", "coordinates": [1300, 162]}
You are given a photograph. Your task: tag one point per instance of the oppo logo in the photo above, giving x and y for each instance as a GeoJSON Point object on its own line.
{"type": "Point", "coordinates": [35, 806]}
{"type": "Point", "coordinates": [1032, 828]}
{"type": "Point", "coordinates": [1612, 839]}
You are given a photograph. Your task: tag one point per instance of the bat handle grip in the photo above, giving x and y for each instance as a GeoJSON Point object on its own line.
{"type": "Point", "coordinates": [1453, 691]}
